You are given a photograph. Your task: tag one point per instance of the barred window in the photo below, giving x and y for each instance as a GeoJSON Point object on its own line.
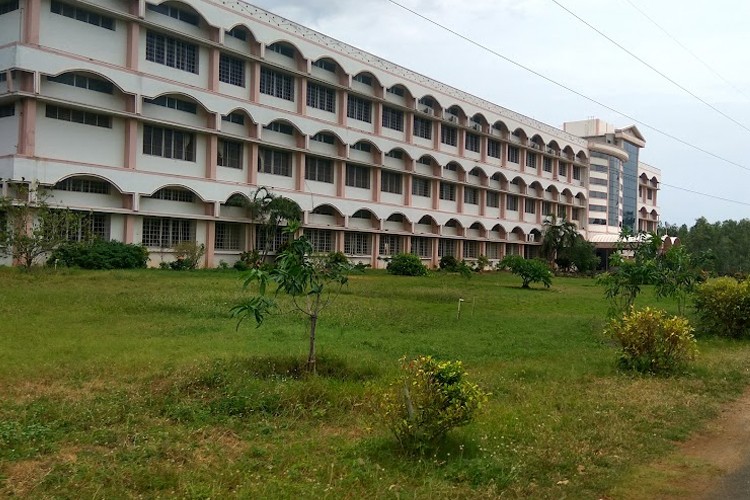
{"type": "Point", "coordinates": [396, 90]}
{"type": "Point", "coordinates": [238, 32]}
{"type": "Point", "coordinates": [562, 212]}
{"type": "Point", "coordinates": [563, 169]}
{"type": "Point", "coordinates": [280, 127]}
{"type": "Point", "coordinates": [168, 143]}
{"type": "Point", "coordinates": [357, 176]}
{"type": "Point", "coordinates": [357, 243]}
{"type": "Point", "coordinates": [472, 142]}
{"type": "Point", "coordinates": [271, 240]}
{"type": "Point", "coordinates": [395, 153]}
{"type": "Point", "coordinates": [83, 82]}
{"type": "Point", "coordinates": [511, 202]}
{"type": "Point", "coordinates": [325, 64]}
{"type": "Point", "coordinates": [471, 196]}
{"type": "Point", "coordinates": [530, 159]}
{"type": "Point", "coordinates": [78, 13]}
{"type": "Point", "coordinates": [391, 182]}
{"type": "Point", "coordinates": [228, 236]}
{"type": "Point", "coordinates": [362, 146]}
{"type": "Point", "coordinates": [577, 172]}
{"type": "Point", "coordinates": [363, 78]}
{"type": "Point", "coordinates": [320, 239]}
{"type": "Point", "coordinates": [530, 206]}
{"type": "Point", "coordinates": [282, 48]}
{"type": "Point", "coordinates": [471, 249]}
{"type": "Point", "coordinates": [493, 148]}
{"type": "Point", "coordinates": [547, 208]}
{"type": "Point", "coordinates": [175, 13]}
{"type": "Point", "coordinates": [359, 109]}
{"type": "Point", "coordinates": [229, 154]}
{"type": "Point", "coordinates": [321, 97]}
{"type": "Point", "coordinates": [493, 199]}
{"type": "Point", "coordinates": [237, 118]}
{"type": "Point", "coordinates": [448, 135]}
{"type": "Point", "coordinates": [514, 154]}
{"type": "Point", "coordinates": [493, 250]}
{"type": "Point", "coordinates": [174, 103]}
{"type": "Point", "coordinates": [447, 191]}
{"type": "Point", "coordinates": [83, 185]}
{"type": "Point", "coordinates": [390, 244]}
{"type": "Point", "coordinates": [173, 194]}
{"type": "Point", "coordinates": [163, 232]}
{"type": "Point", "coordinates": [7, 110]}
{"type": "Point", "coordinates": [273, 161]}
{"type": "Point", "coordinates": [171, 52]}
{"type": "Point", "coordinates": [90, 226]}
{"type": "Point", "coordinates": [324, 137]}
{"type": "Point", "coordinates": [393, 118]}
{"type": "Point", "coordinates": [547, 166]}
{"type": "Point", "coordinates": [420, 187]}
{"type": "Point", "coordinates": [78, 116]}
{"type": "Point", "coordinates": [232, 70]}
{"type": "Point", "coordinates": [422, 127]}
{"type": "Point", "coordinates": [421, 246]}
{"type": "Point", "coordinates": [276, 84]}
{"type": "Point", "coordinates": [446, 247]}
{"type": "Point", "coordinates": [318, 169]}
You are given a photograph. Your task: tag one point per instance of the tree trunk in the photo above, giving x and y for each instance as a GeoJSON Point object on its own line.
{"type": "Point", "coordinates": [311, 356]}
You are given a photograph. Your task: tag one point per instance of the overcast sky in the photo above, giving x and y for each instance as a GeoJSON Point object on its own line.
{"type": "Point", "coordinates": [542, 36]}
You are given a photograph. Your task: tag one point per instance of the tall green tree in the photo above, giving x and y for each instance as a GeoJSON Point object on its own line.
{"type": "Point", "coordinates": [558, 235]}
{"type": "Point", "coordinates": [270, 213]}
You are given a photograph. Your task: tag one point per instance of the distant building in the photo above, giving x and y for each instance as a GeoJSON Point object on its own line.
{"type": "Point", "coordinates": [159, 119]}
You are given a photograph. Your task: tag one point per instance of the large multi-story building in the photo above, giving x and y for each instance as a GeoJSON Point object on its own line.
{"type": "Point", "coordinates": [160, 119]}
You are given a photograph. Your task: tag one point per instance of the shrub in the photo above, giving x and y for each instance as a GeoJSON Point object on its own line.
{"type": "Point", "coordinates": [100, 254]}
{"type": "Point", "coordinates": [449, 263]}
{"type": "Point", "coordinates": [723, 307]}
{"type": "Point", "coordinates": [406, 264]}
{"type": "Point", "coordinates": [530, 270]}
{"type": "Point", "coordinates": [429, 399]}
{"type": "Point", "coordinates": [187, 256]}
{"type": "Point", "coordinates": [483, 262]}
{"type": "Point", "coordinates": [652, 342]}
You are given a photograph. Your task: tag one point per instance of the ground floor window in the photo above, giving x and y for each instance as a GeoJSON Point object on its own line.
{"type": "Point", "coordinates": [389, 244]}
{"type": "Point", "coordinates": [471, 249]}
{"type": "Point", "coordinates": [320, 239]}
{"type": "Point", "coordinates": [446, 248]}
{"type": "Point", "coordinates": [421, 247]}
{"type": "Point", "coordinates": [163, 232]}
{"type": "Point", "coordinates": [270, 240]}
{"type": "Point", "coordinates": [228, 236]}
{"type": "Point", "coordinates": [358, 244]}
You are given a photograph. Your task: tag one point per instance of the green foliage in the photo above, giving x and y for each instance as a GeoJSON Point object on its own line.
{"type": "Point", "coordinates": [483, 262]}
{"type": "Point", "coordinates": [727, 242]}
{"type": "Point", "coordinates": [652, 342]}
{"type": "Point", "coordinates": [449, 263]}
{"type": "Point", "coordinates": [187, 256]}
{"type": "Point", "coordinates": [558, 236]}
{"type": "Point", "coordinates": [406, 264]}
{"type": "Point", "coordinates": [99, 254]}
{"type": "Point", "coordinates": [677, 274]}
{"type": "Point", "coordinates": [581, 256]}
{"type": "Point", "coordinates": [249, 260]}
{"type": "Point", "coordinates": [429, 399]}
{"type": "Point", "coordinates": [30, 228]}
{"type": "Point", "coordinates": [270, 212]}
{"type": "Point", "coordinates": [311, 281]}
{"type": "Point", "coordinates": [723, 307]}
{"type": "Point", "coordinates": [530, 270]}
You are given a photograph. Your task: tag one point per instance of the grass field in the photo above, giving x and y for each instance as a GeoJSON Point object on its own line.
{"type": "Point", "coordinates": [123, 384]}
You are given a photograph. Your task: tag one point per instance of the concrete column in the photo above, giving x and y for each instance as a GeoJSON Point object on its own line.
{"type": "Point", "coordinates": [339, 177]}
{"type": "Point", "coordinates": [252, 163]}
{"type": "Point", "coordinates": [254, 74]}
{"type": "Point", "coordinates": [31, 22]}
{"type": "Point", "coordinates": [302, 95]}
{"type": "Point", "coordinates": [27, 128]}
{"type": "Point", "coordinates": [299, 171]}
{"type": "Point", "coordinates": [214, 56]}
{"type": "Point", "coordinates": [375, 183]}
{"type": "Point", "coordinates": [210, 243]}
{"type": "Point", "coordinates": [132, 56]}
{"type": "Point", "coordinates": [375, 250]}
{"type": "Point", "coordinates": [212, 156]}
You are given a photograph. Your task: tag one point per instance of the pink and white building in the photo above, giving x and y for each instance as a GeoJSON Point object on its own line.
{"type": "Point", "coordinates": [159, 118]}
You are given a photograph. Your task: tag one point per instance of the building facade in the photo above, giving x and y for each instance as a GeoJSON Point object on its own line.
{"type": "Point", "coordinates": [161, 119]}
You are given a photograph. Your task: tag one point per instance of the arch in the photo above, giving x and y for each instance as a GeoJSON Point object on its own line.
{"type": "Point", "coordinates": [432, 160]}
{"type": "Point", "coordinates": [362, 212]}
{"type": "Point", "coordinates": [284, 121]}
{"type": "Point", "coordinates": [400, 89]}
{"type": "Point", "coordinates": [326, 61]}
{"type": "Point", "coordinates": [185, 6]}
{"type": "Point", "coordinates": [326, 209]}
{"type": "Point", "coordinates": [430, 101]}
{"type": "Point", "coordinates": [283, 42]}
{"type": "Point", "coordinates": [339, 139]}
{"type": "Point", "coordinates": [368, 142]}
{"type": "Point", "coordinates": [427, 219]}
{"type": "Point", "coordinates": [237, 199]}
{"type": "Point", "coordinates": [537, 235]}
{"type": "Point", "coordinates": [456, 110]}
{"type": "Point", "coordinates": [478, 171]}
{"type": "Point", "coordinates": [84, 176]}
{"type": "Point", "coordinates": [478, 225]}
{"type": "Point", "coordinates": [500, 230]}
{"type": "Point", "coordinates": [374, 79]}
{"type": "Point", "coordinates": [518, 231]}
{"type": "Point", "coordinates": [499, 176]}
{"type": "Point", "coordinates": [518, 180]}
{"type": "Point", "coordinates": [553, 145]}
{"type": "Point", "coordinates": [537, 139]}
{"type": "Point", "coordinates": [501, 127]}
{"type": "Point", "coordinates": [454, 166]}
{"type": "Point", "coordinates": [243, 27]}
{"type": "Point", "coordinates": [520, 133]}
{"type": "Point", "coordinates": [582, 156]}
{"type": "Point", "coordinates": [398, 149]}
{"type": "Point", "coordinates": [244, 112]}
{"type": "Point", "coordinates": [552, 189]}
{"type": "Point", "coordinates": [568, 152]}
{"type": "Point", "coordinates": [85, 72]}
{"type": "Point", "coordinates": [182, 96]}
{"type": "Point", "coordinates": [479, 118]}
{"type": "Point", "coordinates": [536, 185]}
{"type": "Point", "coordinates": [181, 187]}
{"type": "Point", "coordinates": [398, 217]}
{"type": "Point", "coordinates": [581, 195]}
{"type": "Point", "coordinates": [453, 222]}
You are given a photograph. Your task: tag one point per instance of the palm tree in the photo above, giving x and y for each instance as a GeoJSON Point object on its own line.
{"type": "Point", "coordinates": [559, 234]}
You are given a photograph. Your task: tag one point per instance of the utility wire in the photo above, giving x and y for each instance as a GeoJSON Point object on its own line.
{"type": "Point", "coordinates": [569, 89]}
{"type": "Point", "coordinates": [686, 49]}
{"type": "Point", "coordinates": [652, 68]}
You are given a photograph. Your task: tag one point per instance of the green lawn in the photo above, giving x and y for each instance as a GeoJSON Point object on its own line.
{"type": "Point", "coordinates": [122, 384]}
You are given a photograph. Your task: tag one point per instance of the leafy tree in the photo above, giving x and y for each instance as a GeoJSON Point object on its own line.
{"type": "Point", "coordinates": [530, 270]}
{"type": "Point", "coordinates": [312, 283]}
{"type": "Point", "coordinates": [30, 228]}
{"type": "Point", "coordinates": [270, 212]}
{"type": "Point", "coordinates": [558, 235]}
{"type": "Point", "coordinates": [582, 256]}
{"type": "Point", "coordinates": [406, 264]}
{"type": "Point", "coordinates": [677, 274]}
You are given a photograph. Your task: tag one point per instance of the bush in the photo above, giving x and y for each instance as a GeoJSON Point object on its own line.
{"type": "Point", "coordinates": [530, 270]}
{"type": "Point", "coordinates": [483, 262]}
{"type": "Point", "coordinates": [187, 256]}
{"type": "Point", "coordinates": [449, 263]}
{"type": "Point", "coordinates": [406, 264]}
{"type": "Point", "coordinates": [723, 307]}
{"type": "Point", "coordinates": [652, 342]}
{"type": "Point", "coordinates": [100, 254]}
{"type": "Point", "coordinates": [429, 399]}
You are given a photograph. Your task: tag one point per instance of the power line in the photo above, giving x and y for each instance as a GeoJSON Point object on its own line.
{"type": "Point", "coordinates": [571, 90]}
{"type": "Point", "coordinates": [728, 200]}
{"type": "Point", "coordinates": [686, 49]}
{"type": "Point", "coordinates": [652, 68]}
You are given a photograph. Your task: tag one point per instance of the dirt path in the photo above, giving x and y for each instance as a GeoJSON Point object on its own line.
{"type": "Point", "coordinates": [714, 464]}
